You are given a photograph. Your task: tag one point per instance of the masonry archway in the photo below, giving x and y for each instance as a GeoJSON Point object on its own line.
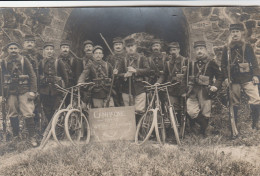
{"type": "Point", "coordinates": [166, 23]}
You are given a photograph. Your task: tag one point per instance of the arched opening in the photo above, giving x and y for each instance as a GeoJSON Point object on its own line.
{"type": "Point", "coordinates": [166, 23]}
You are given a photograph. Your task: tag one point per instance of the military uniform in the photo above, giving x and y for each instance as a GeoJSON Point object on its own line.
{"type": "Point", "coordinates": [115, 60]}
{"type": "Point", "coordinates": [52, 71]}
{"type": "Point", "coordinates": [201, 74]}
{"type": "Point", "coordinates": [174, 70]}
{"type": "Point", "coordinates": [19, 80]}
{"type": "Point", "coordinates": [141, 65]}
{"type": "Point", "coordinates": [99, 72]}
{"type": "Point", "coordinates": [244, 67]}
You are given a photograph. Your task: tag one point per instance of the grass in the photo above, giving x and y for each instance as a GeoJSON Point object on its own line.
{"type": "Point", "coordinates": [125, 158]}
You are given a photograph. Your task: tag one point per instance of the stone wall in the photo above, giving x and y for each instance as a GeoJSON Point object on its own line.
{"type": "Point", "coordinates": [212, 25]}
{"type": "Point", "coordinates": [208, 23]}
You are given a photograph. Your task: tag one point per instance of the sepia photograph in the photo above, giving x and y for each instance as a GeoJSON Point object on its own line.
{"type": "Point", "coordinates": [114, 88]}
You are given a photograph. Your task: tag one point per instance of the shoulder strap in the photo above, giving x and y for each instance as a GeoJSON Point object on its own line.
{"type": "Point", "coordinates": [182, 62]}
{"type": "Point", "coordinates": [192, 68]}
{"type": "Point", "coordinates": [107, 69]}
{"type": "Point", "coordinates": [244, 50]}
{"type": "Point", "coordinates": [168, 66]}
{"type": "Point", "coordinates": [138, 61]}
{"type": "Point", "coordinates": [206, 67]}
{"type": "Point", "coordinates": [56, 66]}
{"type": "Point", "coordinates": [22, 64]}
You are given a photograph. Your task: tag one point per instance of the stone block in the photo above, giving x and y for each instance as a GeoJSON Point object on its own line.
{"type": "Point", "coordinates": [205, 11]}
{"type": "Point", "coordinates": [218, 43]}
{"type": "Point", "coordinates": [58, 24]}
{"type": "Point", "coordinates": [214, 17]}
{"type": "Point", "coordinates": [26, 29]}
{"type": "Point", "coordinates": [9, 18]}
{"type": "Point", "coordinates": [250, 24]}
{"type": "Point", "coordinates": [251, 10]}
{"type": "Point", "coordinates": [224, 35]}
{"type": "Point", "coordinates": [215, 27]}
{"type": "Point", "coordinates": [60, 14]}
{"type": "Point", "coordinates": [212, 35]}
{"type": "Point", "coordinates": [216, 11]}
{"type": "Point", "coordinates": [38, 28]}
{"type": "Point", "coordinates": [255, 16]}
{"type": "Point", "coordinates": [244, 16]}
{"type": "Point", "coordinates": [223, 23]}
{"type": "Point", "coordinates": [43, 16]}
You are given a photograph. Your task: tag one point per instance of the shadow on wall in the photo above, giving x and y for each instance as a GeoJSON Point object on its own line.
{"type": "Point", "coordinates": [166, 23]}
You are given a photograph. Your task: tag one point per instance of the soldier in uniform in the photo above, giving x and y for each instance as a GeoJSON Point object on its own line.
{"type": "Point", "coordinates": [88, 57]}
{"type": "Point", "coordinates": [156, 62]}
{"type": "Point", "coordinates": [99, 72]}
{"type": "Point", "coordinates": [133, 69]}
{"type": "Point", "coordinates": [114, 60]}
{"type": "Point", "coordinates": [70, 62]}
{"type": "Point", "coordinates": [34, 57]}
{"type": "Point", "coordinates": [244, 71]}
{"type": "Point", "coordinates": [21, 85]}
{"type": "Point", "coordinates": [201, 74]}
{"type": "Point", "coordinates": [52, 71]}
{"type": "Point", "coordinates": [174, 70]}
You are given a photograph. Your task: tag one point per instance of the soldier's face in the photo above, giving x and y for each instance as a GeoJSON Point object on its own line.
{"type": "Point", "coordinates": [88, 49]}
{"type": "Point", "coordinates": [131, 49]}
{"type": "Point", "coordinates": [48, 51]}
{"type": "Point", "coordinates": [118, 47]}
{"type": "Point", "coordinates": [236, 35]}
{"type": "Point", "coordinates": [98, 54]}
{"type": "Point", "coordinates": [174, 51]}
{"type": "Point", "coordinates": [156, 47]}
{"type": "Point", "coordinates": [13, 50]}
{"type": "Point", "coordinates": [28, 45]}
{"type": "Point", "coordinates": [201, 51]}
{"type": "Point", "coordinates": [65, 49]}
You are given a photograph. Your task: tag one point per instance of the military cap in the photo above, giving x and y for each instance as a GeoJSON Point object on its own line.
{"type": "Point", "coordinates": [237, 26]}
{"type": "Point", "coordinates": [174, 45]}
{"type": "Point", "coordinates": [97, 47]}
{"type": "Point", "coordinates": [117, 40]}
{"type": "Point", "coordinates": [12, 43]}
{"type": "Point", "coordinates": [129, 42]}
{"type": "Point", "coordinates": [29, 38]}
{"type": "Point", "coordinates": [199, 43]}
{"type": "Point", "coordinates": [88, 42]}
{"type": "Point", "coordinates": [154, 41]}
{"type": "Point", "coordinates": [48, 44]}
{"type": "Point", "coordinates": [65, 42]}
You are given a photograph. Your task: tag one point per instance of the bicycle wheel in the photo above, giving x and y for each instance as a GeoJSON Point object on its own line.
{"type": "Point", "coordinates": [145, 127]}
{"type": "Point", "coordinates": [57, 128]}
{"type": "Point", "coordinates": [77, 127]}
{"type": "Point", "coordinates": [159, 127]}
{"type": "Point", "coordinates": [46, 135]}
{"type": "Point", "coordinates": [172, 117]}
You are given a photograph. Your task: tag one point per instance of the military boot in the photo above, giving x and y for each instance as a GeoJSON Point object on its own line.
{"type": "Point", "coordinates": [30, 125]}
{"type": "Point", "coordinates": [203, 122]}
{"type": "Point", "coordinates": [235, 108]}
{"type": "Point", "coordinates": [15, 127]}
{"type": "Point", "coordinates": [255, 116]}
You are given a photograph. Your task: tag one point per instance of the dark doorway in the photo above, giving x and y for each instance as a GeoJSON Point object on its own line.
{"type": "Point", "coordinates": [166, 23]}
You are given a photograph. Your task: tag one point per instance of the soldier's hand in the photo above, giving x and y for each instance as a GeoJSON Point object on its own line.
{"type": "Point", "coordinates": [213, 88]}
{"type": "Point", "coordinates": [226, 82]}
{"type": "Point", "coordinates": [115, 71]}
{"type": "Point", "coordinates": [184, 68]}
{"type": "Point", "coordinates": [127, 74]}
{"type": "Point", "coordinates": [131, 69]}
{"type": "Point", "coordinates": [255, 80]}
{"type": "Point", "coordinates": [31, 96]}
{"type": "Point", "coordinates": [156, 84]}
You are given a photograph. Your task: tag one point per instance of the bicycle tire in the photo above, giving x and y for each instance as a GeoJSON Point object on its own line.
{"type": "Point", "coordinates": [159, 127]}
{"type": "Point", "coordinates": [174, 125]}
{"type": "Point", "coordinates": [46, 135]}
{"type": "Point", "coordinates": [146, 119]}
{"type": "Point", "coordinates": [69, 124]}
{"type": "Point", "coordinates": [54, 124]}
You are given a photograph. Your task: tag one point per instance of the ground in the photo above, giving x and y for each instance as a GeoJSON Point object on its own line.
{"type": "Point", "coordinates": [216, 154]}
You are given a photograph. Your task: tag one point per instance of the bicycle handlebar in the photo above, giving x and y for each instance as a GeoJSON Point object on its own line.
{"type": "Point", "coordinates": [69, 88]}
{"type": "Point", "coordinates": [162, 86]}
{"type": "Point", "coordinates": [159, 85]}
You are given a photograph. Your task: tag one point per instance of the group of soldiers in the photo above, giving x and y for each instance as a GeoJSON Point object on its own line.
{"type": "Point", "coordinates": [28, 75]}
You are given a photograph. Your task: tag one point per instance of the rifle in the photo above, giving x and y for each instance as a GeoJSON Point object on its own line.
{"type": "Point", "coordinates": [3, 103]}
{"type": "Point", "coordinates": [234, 131]}
{"type": "Point", "coordinates": [106, 44]}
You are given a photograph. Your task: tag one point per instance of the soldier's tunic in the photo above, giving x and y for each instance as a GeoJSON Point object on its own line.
{"type": "Point", "coordinates": [174, 71]}
{"type": "Point", "coordinates": [51, 72]}
{"type": "Point", "coordinates": [99, 72]}
{"type": "Point", "coordinates": [19, 79]}
{"type": "Point", "coordinates": [82, 64]}
{"type": "Point", "coordinates": [199, 100]}
{"type": "Point", "coordinates": [71, 66]}
{"type": "Point", "coordinates": [242, 53]}
{"type": "Point", "coordinates": [141, 65]}
{"type": "Point", "coordinates": [156, 63]}
{"type": "Point", "coordinates": [115, 60]}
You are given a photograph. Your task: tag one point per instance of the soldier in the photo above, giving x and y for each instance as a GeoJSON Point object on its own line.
{"type": "Point", "coordinates": [114, 60]}
{"type": "Point", "coordinates": [70, 62]}
{"type": "Point", "coordinates": [174, 71]}
{"type": "Point", "coordinates": [133, 69]}
{"type": "Point", "coordinates": [52, 71]}
{"type": "Point", "coordinates": [156, 62]}
{"type": "Point", "coordinates": [21, 85]}
{"type": "Point", "coordinates": [34, 57]}
{"type": "Point", "coordinates": [99, 72]}
{"type": "Point", "coordinates": [244, 71]}
{"type": "Point", "coordinates": [201, 85]}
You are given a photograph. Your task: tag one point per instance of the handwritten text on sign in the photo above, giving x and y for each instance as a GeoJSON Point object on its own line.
{"type": "Point", "coordinates": [201, 25]}
{"type": "Point", "coordinates": [115, 123]}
